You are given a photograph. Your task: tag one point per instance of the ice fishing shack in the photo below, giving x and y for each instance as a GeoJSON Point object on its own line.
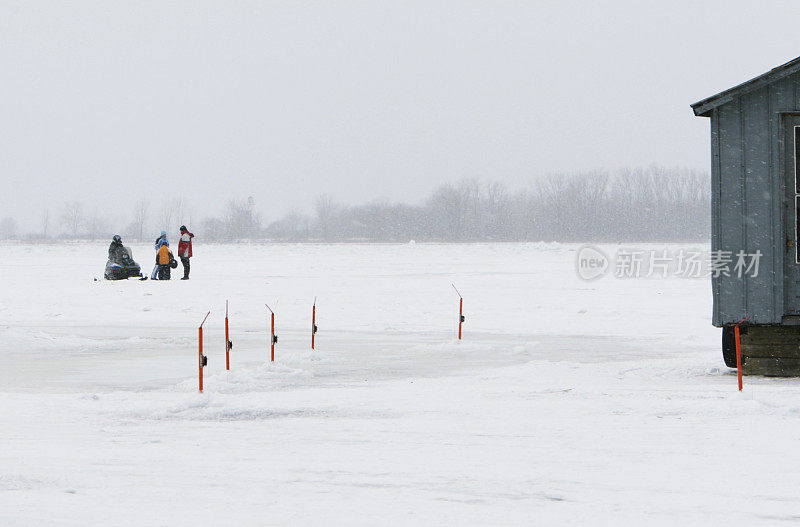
{"type": "Point", "coordinates": [755, 208]}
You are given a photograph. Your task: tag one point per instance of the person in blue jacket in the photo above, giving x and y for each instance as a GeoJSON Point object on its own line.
{"type": "Point", "coordinates": [162, 240]}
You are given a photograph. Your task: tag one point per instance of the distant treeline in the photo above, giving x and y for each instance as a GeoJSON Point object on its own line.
{"type": "Point", "coordinates": [639, 205]}
{"type": "Point", "coordinates": [655, 204]}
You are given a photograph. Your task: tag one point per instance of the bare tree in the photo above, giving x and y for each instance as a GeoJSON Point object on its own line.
{"type": "Point", "coordinates": [96, 226]}
{"type": "Point", "coordinates": [326, 215]}
{"type": "Point", "coordinates": [171, 214]}
{"type": "Point", "coordinates": [241, 220]}
{"type": "Point", "coordinates": [496, 212]}
{"type": "Point", "coordinates": [178, 207]}
{"type": "Point", "coordinates": [294, 226]}
{"type": "Point", "coordinates": [448, 211]}
{"type": "Point", "coordinates": [212, 229]}
{"type": "Point", "coordinates": [140, 218]}
{"type": "Point", "coordinates": [166, 216]}
{"type": "Point", "coordinates": [72, 217]}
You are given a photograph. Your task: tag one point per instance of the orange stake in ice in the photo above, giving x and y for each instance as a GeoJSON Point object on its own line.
{"type": "Point", "coordinates": [739, 352]}
{"type": "Point", "coordinates": [313, 322]}
{"type": "Point", "coordinates": [273, 338]}
{"type": "Point", "coordinates": [460, 311]}
{"type": "Point", "coordinates": [203, 361]}
{"type": "Point", "coordinates": [228, 343]}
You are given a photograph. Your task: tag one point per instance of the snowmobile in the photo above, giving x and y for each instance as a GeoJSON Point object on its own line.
{"type": "Point", "coordinates": [120, 265]}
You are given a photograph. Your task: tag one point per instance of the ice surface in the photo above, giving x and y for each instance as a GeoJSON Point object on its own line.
{"type": "Point", "coordinates": [567, 402]}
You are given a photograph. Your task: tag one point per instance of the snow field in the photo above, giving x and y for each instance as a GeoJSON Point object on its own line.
{"type": "Point", "coordinates": [567, 402]}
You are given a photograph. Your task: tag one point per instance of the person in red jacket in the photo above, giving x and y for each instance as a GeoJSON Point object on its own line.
{"type": "Point", "coordinates": [185, 250]}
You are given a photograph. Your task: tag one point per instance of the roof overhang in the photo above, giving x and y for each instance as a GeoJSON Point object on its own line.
{"type": "Point", "coordinates": [703, 108]}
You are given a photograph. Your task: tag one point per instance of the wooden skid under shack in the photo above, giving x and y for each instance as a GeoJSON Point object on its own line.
{"type": "Point", "coordinates": [771, 350]}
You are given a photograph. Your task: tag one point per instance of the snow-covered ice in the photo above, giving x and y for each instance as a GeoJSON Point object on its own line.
{"type": "Point", "coordinates": [567, 402]}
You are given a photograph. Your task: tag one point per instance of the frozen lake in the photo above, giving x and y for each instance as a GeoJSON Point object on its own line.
{"type": "Point", "coordinates": [567, 401]}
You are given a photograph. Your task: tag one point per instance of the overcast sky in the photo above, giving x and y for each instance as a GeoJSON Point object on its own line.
{"type": "Point", "coordinates": [108, 102]}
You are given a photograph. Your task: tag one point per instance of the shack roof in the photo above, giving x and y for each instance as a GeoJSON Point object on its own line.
{"type": "Point", "coordinates": [703, 108]}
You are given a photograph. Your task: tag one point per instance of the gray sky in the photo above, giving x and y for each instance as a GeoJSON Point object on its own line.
{"type": "Point", "coordinates": [108, 102]}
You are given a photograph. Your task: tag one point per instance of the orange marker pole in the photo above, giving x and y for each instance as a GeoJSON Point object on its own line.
{"type": "Point", "coordinates": [202, 361]}
{"type": "Point", "coordinates": [227, 340]}
{"type": "Point", "coordinates": [273, 338]}
{"type": "Point", "coordinates": [313, 322]}
{"type": "Point", "coordinates": [460, 311]}
{"type": "Point", "coordinates": [460, 316]}
{"type": "Point", "coordinates": [738, 352]}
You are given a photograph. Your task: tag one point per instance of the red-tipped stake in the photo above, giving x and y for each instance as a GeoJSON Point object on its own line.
{"type": "Point", "coordinates": [273, 338]}
{"type": "Point", "coordinates": [739, 352]}
{"type": "Point", "coordinates": [228, 343]}
{"type": "Point", "coordinates": [313, 322]}
{"type": "Point", "coordinates": [460, 311]}
{"type": "Point", "coordinates": [202, 360]}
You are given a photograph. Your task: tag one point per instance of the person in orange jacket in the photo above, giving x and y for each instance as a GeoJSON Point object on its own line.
{"type": "Point", "coordinates": [185, 250]}
{"type": "Point", "coordinates": [163, 257]}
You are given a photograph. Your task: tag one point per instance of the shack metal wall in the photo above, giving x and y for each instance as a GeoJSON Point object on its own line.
{"type": "Point", "coordinates": [747, 191]}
